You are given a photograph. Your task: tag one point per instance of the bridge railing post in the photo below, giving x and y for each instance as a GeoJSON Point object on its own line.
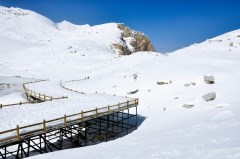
{"type": "Point", "coordinates": [65, 120]}
{"type": "Point", "coordinates": [96, 112]}
{"type": "Point", "coordinates": [17, 133]}
{"type": "Point", "coordinates": [82, 115]}
{"type": "Point", "coordinates": [44, 126]}
{"type": "Point", "coordinates": [108, 109]}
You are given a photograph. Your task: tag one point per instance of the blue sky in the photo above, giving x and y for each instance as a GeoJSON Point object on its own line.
{"type": "Point", "coordinates": [170, 24]}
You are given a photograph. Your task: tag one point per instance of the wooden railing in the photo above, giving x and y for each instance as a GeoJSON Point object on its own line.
{"type": "Point", "coordinates": [28, 92]}
{"type": "Point", "coordinates": [71, 81]}
{"type": "Point", "coordinates": [21, 103]}
{"type": "Point", "coordinates": [38, 95]}
{"type": "Point", "coordinates": [45, 126]}
{"type": "Point", "coordinates": [8, 105]}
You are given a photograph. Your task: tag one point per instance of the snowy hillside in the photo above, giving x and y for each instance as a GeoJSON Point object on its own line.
{"type": "Point", "coordinates": [179, 122]}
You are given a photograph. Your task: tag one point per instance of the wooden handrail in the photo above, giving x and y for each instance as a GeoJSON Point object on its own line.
{"type": "Point", "coordinates": [40, 96]}
{"type": "Point", "coordinates": [65, 121]}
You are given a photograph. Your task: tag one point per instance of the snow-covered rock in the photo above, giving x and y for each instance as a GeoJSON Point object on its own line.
{"type": "Point", "coordinates": [209, 96]}
{"type": "Point", "coordinates": [209, 79]}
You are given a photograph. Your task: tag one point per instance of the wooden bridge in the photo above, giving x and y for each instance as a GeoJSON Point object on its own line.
{"type": "Point", "coordinates": [80, 129]}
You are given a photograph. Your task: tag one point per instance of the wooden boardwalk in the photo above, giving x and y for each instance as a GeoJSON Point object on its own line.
{"type": "Point", "coordinates": [21, 133]}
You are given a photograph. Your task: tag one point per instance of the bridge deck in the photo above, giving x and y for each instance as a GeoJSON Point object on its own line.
{"type": "Point", "coordinates": [20, 133]}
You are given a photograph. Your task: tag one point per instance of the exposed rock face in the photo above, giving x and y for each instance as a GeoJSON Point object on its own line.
{"type": "Point", "coordinates": [132, 41]}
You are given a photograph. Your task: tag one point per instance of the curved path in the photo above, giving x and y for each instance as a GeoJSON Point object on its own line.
{"type": "Point", "coordinates": [41, 117]}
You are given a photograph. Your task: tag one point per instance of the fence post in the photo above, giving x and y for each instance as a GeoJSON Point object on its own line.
{"type": "Point", "coordinates": [108, 109]}
{"type": "Point", "coordinates": [81, 115]}
{"type": "Point", "coordinates": [44, 126]}
{"type": "Point", "coordinates": [135, 100]}
{"type": "Point", "coordinates": [96, 112]}
{"type": "Point", "coordinates": [1, 106]}
{"type": "Point", "coordinates": [118, 106]}
{"type": "Point", "coordinates": [127, 103]}
{"type": "Point", "coordinates": [18, 133]}
{"type": "Point", "coordinates": [65, 120]}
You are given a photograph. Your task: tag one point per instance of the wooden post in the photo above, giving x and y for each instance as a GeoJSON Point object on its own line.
{"type": "Point", "coordinates": [18, 133]}
{"type": "Point", "coordinates": [39, 95]}
{"type": "Point", "coordinates": [118, 106]}
{"type": "Point", "coordinates": [96, 112]}
{"type": "Point", "coordinates": [82, 115]}
{"type": "Point", "coordinates": [1, 106]}
{"type": "Point", "coordinates": [65, 120]}
{"type": "Point", "coordinates": [108, 109]}
{"type": "Point", "coordinates": [127, 103]}
{"type": "Point", "coordinates": [44, 126]}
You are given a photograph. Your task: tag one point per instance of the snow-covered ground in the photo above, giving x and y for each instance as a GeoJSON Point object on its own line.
{"type": "Point", "coordinates": [65, 51]}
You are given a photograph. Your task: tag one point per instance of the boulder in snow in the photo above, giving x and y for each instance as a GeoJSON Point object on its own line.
{"type": "Point", "coordinates": [163, 82]}
{"type": "Point", "coordinates": [135, 76]}
{"type": "Point", "coordinates": [187, 85]}
{"type": "Point", "coordinates": [133, 92]}
{"type": "Point", "coordinates": [188, 105]}
{"type": "Point", "coordinates": [209, 79]}
{"type": "Point", "coordinates": [210, 96]}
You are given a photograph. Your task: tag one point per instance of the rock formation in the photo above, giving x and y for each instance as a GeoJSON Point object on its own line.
{"type": "Point", "coordinates": [132, 41]}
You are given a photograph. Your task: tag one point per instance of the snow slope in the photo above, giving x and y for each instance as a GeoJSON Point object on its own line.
{"type": "Point", "coordinates": [207, 130]}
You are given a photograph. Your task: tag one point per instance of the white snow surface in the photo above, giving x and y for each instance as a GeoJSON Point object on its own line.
{"type": "Point", "coordinates": [65, 51]}
{"type": "Point", "coordinates": [13, 98]}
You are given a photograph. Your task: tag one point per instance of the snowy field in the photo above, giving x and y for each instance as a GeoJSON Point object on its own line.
{"type": "Point", "coordinates": [164, 84]}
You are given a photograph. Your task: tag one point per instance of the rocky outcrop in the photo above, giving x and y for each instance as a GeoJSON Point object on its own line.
{"type": "Point", "coordinates": [132, 41]}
